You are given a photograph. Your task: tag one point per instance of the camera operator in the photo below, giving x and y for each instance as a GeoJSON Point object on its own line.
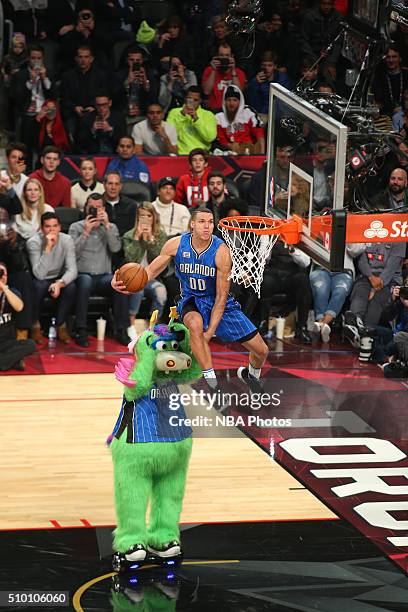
{"type": "Point", "coordinates": [221, 72]}
{"type": "Point", "coordinates": [174, 84]}
{"type": "Point", "coordinates": [12, 351]}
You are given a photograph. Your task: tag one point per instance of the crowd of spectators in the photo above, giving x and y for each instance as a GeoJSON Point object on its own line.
{"type": "Point", "coordinates": [93, 78]}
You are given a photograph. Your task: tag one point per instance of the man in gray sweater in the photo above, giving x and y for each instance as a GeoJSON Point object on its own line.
{"type": "Point", "coordinates": [95, 239]}
{"type": "Point", "coordinates": [52, 257]}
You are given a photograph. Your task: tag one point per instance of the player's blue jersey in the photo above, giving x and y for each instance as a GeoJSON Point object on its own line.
{"type": "Point", "coordinates": [197, 273]}
{"type": "Point", "coordinates": [198, 283]}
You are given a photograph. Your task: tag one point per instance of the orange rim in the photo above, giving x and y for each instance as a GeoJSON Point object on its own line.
{"type": "Point", "coordinates": [273, 226]}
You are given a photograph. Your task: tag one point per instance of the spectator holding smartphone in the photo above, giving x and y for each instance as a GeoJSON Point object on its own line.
{"type": "Point", "coordinates": [100, 130]}
{"type": "Point", "coordinates": [196, 127]}
{"type": "Point", "coordinates": [257, 92]}
{"type": "Point", "coordinates": [137, 85]}
{"type": "Point", "coordinates": [221, 72]}
{"type": "Point", "coordinates": [174, 84]}
{"type": "Point", "coordinates": [16, 153]}
{"type": "Point", "coordinates": [142, 244]}
{"type": "Point", "coordinates": [29, 88]}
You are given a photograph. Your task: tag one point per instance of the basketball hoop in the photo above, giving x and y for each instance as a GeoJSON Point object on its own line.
{"type": "Point", "coordinates": [250, 240]}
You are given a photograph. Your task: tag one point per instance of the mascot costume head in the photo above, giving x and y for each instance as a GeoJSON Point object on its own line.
{"type": "Point", "coordinates": [150, 443]}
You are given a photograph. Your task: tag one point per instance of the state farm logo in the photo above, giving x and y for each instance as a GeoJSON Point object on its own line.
{"type": "Point", "coordinates": [376, 230]}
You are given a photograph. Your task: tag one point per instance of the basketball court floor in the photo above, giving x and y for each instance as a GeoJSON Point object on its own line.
{"type": "Point", "coordinates": [264, 525]}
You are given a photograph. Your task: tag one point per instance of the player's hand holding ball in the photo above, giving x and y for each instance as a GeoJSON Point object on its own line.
{"type": "Point", "coordinates": [130, 278]}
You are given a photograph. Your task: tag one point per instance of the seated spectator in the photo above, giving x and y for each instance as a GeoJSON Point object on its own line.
{"type": "Point", "coordinates": [285, 272]}
{"type": "Point", "coordinates": [390, 82]}
{"type": "Point", "coordinates": [127, 164]}
{"type": "Point", "coordinates": [96, 239]}
{"type": "Point", "coordinates": [309, 73]}
{"type": "Point", "coordinates": [52, 131]}
{"type": "Point", "coordinates": [221, 73]}
{"type": "Point", "coordinates": [330, 290]}
{"type": "Point", "coordinates": [16, 153]}
{"type": "Point", "coordinates": [153, 136]}
{"type": "Point", "coordinates": [9, 201]}
{"type": "Point", "coordinates": [87, 184]}
{"type": "Point", "coordinates": [121, 209]}
{"type": "Point", "coordinates": [99, 131]}
{"type": "Point", "coordinates": [16, 58]}
{"type": "Point", "coordinates": [137, 85]}
{"type": "Point", "coordinates": [57, 188]}
{"type": "Point", "coordinates": [60, 16]}
{"type": "Point", "coordinates": [395, 195]}
{"type": "Point", "coordinates": [320, 26]}
{"type": "Point", "coordinates": [28, 223]}
{"type": "Point", "coordinates": [26, 16]}
{"type": "Point", "coordinates": [196, 127]}
{"type": "Point", "coordinates": [174, 84]}
{"type": "Point", "coordinates": [238, 128]}
{"type": "Point", "coordinates": [192, 188]}
{"type": "Point", "coordinates": [379, 270]}
{"type": "Point", "coordinates": [142, 244]}
{"type": "Point", "coordinates": [173, 40]}
{"type": "Point", "coordinates": [257, 92]}
{"type": "Point", "coordinates": [274, 38]}
{"type": "Point", "coordinates": [79, 87]}
{"type": "Point", "coordinates": [52, 257]}
{"type": "Point", "coordinates": [391, 343]}
{"type": "Point", "coordinates": [118, 19]}
{"type": "Point", "coordinates": [219, 197]}
{"type": "Point", "coordinates": [219, 34]}
{"type": "Point", "coordinates": [14, 255]}
{"type": "Point", "coordinates": [29, 88]}
{"type": "Point", "coordinates": [400, 117]}
{"type": "Point", "coordinates": [12, 351]}
{"type": "Point", "coordinates": [174, 217]}
{"type": "Point", "coordinates": [85, 31]}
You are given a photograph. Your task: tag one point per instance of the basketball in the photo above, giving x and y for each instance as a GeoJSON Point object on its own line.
{"type": "Point", "coordinates": [134, 276]}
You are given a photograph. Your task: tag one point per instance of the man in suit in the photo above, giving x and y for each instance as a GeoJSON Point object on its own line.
{"type": "Point", "coordinates": [99, 131]}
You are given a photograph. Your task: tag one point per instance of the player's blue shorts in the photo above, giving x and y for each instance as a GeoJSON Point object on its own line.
{"type": "Point", "coordinates": [234, 325]}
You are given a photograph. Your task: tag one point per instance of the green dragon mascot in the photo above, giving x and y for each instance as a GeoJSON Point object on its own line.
{"type": "Point", "coordinates": [151, 446]}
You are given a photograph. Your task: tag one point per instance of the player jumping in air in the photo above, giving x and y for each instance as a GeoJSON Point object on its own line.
{"type": "Point", "coordinates": [203, 264]}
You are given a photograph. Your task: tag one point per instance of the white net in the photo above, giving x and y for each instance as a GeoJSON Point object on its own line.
{"type": "Point", "coordinates": [249, 250]}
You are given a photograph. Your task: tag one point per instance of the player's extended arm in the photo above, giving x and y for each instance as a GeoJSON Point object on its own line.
{"type": "Point", "coordinates": [161, 262]}
{"type": "Point", "coordinates": [155, 267]}
{"type": "Point", "coordinates": [223, 264]}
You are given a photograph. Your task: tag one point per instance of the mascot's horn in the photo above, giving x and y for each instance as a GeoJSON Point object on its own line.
{"type": "Point", "coordinates": [173, 314]}
{"type": "Point", "coordinates": [153, 319]}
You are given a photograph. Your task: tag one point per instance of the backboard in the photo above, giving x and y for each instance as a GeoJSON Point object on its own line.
{"type": "Point", "coordinates": [305, 172]}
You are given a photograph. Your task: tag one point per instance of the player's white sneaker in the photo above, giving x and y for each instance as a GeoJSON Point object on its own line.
{"type": "Point", "coordinates": [252, 382]}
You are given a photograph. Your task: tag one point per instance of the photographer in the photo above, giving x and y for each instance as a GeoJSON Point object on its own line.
{"type": "Point", "coordinates": [84, 32]}
{"type": "Point", "coordinates": [221, 72]}
{"type": "Point", "coordinates": [12, 351]}
{"type": "Point", "coordinates": [174, 84]}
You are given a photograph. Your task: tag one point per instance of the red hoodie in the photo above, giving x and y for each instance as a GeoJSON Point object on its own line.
{"type": "Point", "coordinates": [190, 188]}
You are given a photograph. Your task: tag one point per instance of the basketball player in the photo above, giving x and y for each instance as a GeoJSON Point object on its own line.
{"type": "Point", "coordinates": [203, 264]}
